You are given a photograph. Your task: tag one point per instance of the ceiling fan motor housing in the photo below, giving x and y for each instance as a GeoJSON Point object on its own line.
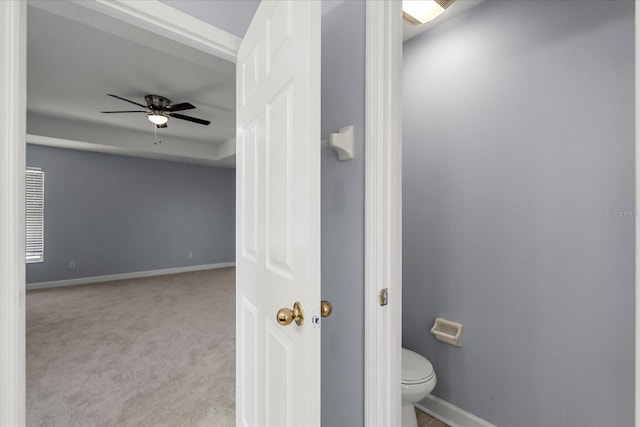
{"type": "Point", "coordinates": [160, 109]}
{"type": "Point", "coordinates": [157, 102]}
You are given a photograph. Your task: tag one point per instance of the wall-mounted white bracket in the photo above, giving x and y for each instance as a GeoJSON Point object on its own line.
{"type": "Point", "coordinates": [342, 142]}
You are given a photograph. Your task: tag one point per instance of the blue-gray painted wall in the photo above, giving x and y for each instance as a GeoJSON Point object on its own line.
{"type": "Point", "coordinates": [343, 89]}
{"type": "Point", "coordinates": [518, 209]}
{"type": "Point", "coordinates": [115, 214]}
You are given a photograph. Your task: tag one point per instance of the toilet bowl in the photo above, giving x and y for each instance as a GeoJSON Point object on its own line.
{"type": "Point", "coordinates": [418, 379]}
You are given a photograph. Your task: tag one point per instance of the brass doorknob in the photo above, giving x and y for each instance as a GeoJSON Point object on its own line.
{"type": "Point", "coordinates": [285, 315]}
{"type": "Point", "coordinates": [325, 308]}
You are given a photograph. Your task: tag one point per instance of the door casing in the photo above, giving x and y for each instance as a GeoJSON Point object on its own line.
{"type": "Point", "coordinates": [383, 212]}
{"type": "Point", "coordinates": [13, 89]}
{"type": "Point", "coordinates": [383, 177]}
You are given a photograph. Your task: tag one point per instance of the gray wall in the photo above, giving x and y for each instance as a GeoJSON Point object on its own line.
{"type": "Point", "coordinates": [518, 155]}
{"type": "Point", "coordinates": [115, 214]}
{"type": "Point", "coordinates": [343, 69]}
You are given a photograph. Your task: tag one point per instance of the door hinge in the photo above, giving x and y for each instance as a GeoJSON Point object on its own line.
{"type": "Point", "coordinates": [384, 296]}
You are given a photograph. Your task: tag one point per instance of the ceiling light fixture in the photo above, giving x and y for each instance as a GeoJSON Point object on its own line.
{"type": "Point", "coordinates": [157, 118]}
{"type": "Point", "coordinates": [422, 11]}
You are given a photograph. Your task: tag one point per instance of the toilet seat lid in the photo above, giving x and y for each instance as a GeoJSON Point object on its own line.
{"type": "Point", "coordinates": [415, 368]}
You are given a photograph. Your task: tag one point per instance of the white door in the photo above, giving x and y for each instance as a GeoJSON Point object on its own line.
{"type": "Point", "coordinates": [278, 216]}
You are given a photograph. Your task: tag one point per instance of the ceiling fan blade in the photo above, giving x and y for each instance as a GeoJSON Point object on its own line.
{"type": "Point", "coordinates": [127, 100]}
{"type": "Point", "coordinates": [180, 107]}
{"type": "Point", "coordinates": [128, 111]}
{"type": "Point", "coordinates": [189, 119]}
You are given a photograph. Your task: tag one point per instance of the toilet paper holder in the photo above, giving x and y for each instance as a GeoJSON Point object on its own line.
{"type": "Point", "coordinates": [447, 331]}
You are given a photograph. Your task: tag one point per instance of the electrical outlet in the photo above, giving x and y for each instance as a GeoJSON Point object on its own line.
{"type": "Point", "coordinates": [190, 255]}
{"type": "Point", "coordinates": [72, 264]}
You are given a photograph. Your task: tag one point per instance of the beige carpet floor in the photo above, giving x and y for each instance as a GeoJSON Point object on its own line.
{"type": "Point", "coordinates": [156, 351]}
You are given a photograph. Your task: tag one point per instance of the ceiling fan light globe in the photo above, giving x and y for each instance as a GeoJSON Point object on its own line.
{"type": "Point", "coordinates": [157, 118]}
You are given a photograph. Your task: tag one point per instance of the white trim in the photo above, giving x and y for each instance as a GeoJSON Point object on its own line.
{"type": "Point", "coordinates": [637, 166]}
{"type": "Point", "coordinates": [450, 414]}
{"type": "Point", "coordinates": [383, 212]}
{"type": "Point", "coordinates": [71, 144]}
{"type": "Point", "coordinates": [124, 276]}
{"type": "Point", "coordinates": [13, 92]}
{"type": "Point", "coordinates": [161, 19]}
{"type": "Point", "coordinates": [170, 22]}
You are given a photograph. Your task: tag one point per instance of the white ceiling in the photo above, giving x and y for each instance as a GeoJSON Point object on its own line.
{"type": "Point", "coordinates": [72, 66]}
{"type": "Point", "coordinates": [75, 56]}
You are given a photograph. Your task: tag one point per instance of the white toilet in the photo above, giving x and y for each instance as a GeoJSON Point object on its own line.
{"type": "Point", "coordinates": [418, 379]}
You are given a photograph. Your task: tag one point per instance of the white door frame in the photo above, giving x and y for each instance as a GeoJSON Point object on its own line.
{"type": "Point", "coordinates": [383, 212]}
{"type": "Point", "coordinates": [13, 88]}
{"type": "Point", "coordinates": [383, 209]}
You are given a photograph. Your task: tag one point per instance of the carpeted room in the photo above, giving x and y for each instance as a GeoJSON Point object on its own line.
{"type": "Point", "coordinates": [130, 304]}
{"type": "Point", "coordinates": [140, 350]}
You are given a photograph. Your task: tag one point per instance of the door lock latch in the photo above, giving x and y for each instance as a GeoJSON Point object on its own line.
{"type": "Point", "coordinates": [384, 296]}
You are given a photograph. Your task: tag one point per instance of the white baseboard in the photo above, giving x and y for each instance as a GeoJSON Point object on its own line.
{"type": "Point", "coordinates": [122, 276]}
{"type": "Point", "coordinates": [450, 414]}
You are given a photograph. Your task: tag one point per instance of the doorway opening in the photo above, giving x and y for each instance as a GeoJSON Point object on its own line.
{"type": "Point", "coordinates": [139, 219]}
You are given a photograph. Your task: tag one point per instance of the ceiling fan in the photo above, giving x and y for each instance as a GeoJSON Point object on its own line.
{"type": "Point", "coordinates": [159, 109]}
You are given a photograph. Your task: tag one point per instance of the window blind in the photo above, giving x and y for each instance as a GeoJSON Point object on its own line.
{"type": "Point", "coordinates": [35, 215]}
